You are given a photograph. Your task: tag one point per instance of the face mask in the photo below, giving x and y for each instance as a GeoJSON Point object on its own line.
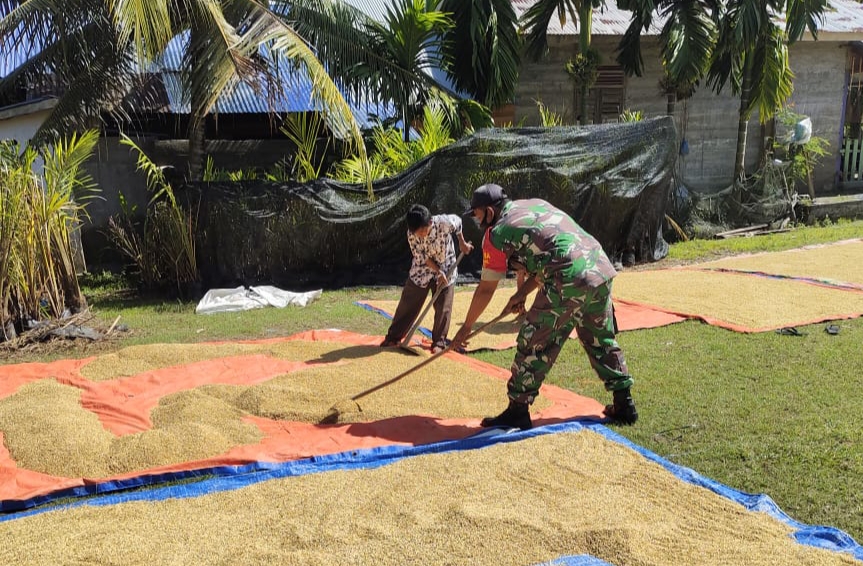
{"type": "Point", "coordinates": [487, 219]}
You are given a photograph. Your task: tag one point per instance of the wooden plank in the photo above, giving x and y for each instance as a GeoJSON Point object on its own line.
{"type": "Point", "coordinates": [743, 230]}
{"type": "Point", "coordinates": [852, 152]}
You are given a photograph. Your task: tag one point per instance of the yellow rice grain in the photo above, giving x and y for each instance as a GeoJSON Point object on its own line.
{"type": "Point", "coordinates": [514, 504]}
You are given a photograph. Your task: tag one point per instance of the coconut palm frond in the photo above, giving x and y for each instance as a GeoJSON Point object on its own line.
{"type": "Point", "coordinates": [77, 53]}
{"type": "Point", "coordinates": [772, 78]}
{"type": "Point", "coordinates": [629, 49]}
{"type": "Point", "coordinates": [723, 62]}
{"type": "Point", "coordinates": [266, 28]}
{"type": "Point", "coordinates": [145, 22]}
{"type": "Point", "coordinates": [485, 49]}
{"type": "Point", "coordinates": [216, 56]}
{"type": "Point", "coordinates": [687, 40]}
{"type": "Point", "coordinates": [28, 24]}
{"type": "Point", "coordinates": [803, 15]}
{"type": "Point", "coordinates": [338, 33]}
{"type": "Point", "coordinates": [534, 26]}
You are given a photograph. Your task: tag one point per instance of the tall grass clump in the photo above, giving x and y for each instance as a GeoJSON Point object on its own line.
{"type": "Point", "coordinates": [393, 154]}
{"type": "Point", "coordinates": [162, 249]}
{"type": "Point", "coordinates": [38, 212]}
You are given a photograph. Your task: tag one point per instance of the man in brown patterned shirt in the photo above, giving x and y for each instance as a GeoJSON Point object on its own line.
{"type": "Point", "coordinates": [431, 244]}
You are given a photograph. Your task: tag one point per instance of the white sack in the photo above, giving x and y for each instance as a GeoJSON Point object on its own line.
{"type": "Point", "coordinates": [241, 299]}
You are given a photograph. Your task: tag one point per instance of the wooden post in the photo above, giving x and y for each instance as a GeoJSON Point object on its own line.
{"type": "Point", "coordinates": [809, 174]}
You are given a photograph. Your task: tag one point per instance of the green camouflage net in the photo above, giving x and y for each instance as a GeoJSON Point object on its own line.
{"type": "Point", "coordinates": [762, 198]}
{"type": "Point", "coordinates": [614, 179]}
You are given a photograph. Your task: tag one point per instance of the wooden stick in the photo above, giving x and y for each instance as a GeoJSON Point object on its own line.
{"type": "Point", "coordinates": [407, 339]}
{"type": "Point", "coordinates": [116, 320]}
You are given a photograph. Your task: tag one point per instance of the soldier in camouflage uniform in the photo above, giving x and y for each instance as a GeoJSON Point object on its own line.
{"type": "Point", "coordinates": [575, 277]}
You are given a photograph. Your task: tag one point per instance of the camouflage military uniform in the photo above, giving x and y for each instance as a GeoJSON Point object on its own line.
{"type": "Point", "coordinates": [576, 280]}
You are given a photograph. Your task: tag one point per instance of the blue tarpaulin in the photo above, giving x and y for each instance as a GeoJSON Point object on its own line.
{"type": "Point", "coordinates": [229, 478]}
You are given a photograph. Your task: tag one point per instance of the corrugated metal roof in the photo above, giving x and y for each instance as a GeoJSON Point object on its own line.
{"type": "Point", "coordinates": [242, 99]}
{"type": "Point", "coordinates": [843, 17]}
{"type": "Point", "coordinates": [609, 20]}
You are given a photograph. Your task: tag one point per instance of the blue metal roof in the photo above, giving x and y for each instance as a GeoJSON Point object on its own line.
{"type": "Point", "coordinates": [242, 98]}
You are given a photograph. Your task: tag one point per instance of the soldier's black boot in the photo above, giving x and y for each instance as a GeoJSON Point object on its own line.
{"type": "Point", "coordinates": [517, 415]}
{"type": "Point", "coordinates": [623, 410]}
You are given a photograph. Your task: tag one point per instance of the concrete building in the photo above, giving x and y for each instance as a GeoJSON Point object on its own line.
{"type": "Point", "coordinates": [827, 72]}
{"type": "Point", "coordinates": [20, 121]}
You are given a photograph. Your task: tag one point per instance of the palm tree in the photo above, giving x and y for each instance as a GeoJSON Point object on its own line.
{"type": "Point", "coordinates": [484, 49]}
{"type": "Point", "coordinates": [97, 50]}
{"type": "Point", "coordinates": [752, 53]}
{"type": "Point", "coordinates": [687, 40]}
{"type": "Point", "coordinates": [535, 21]}
{"type": "Point", "coordinates": [411, 37]}
{"type": "Point", "coordinates": [736, 42]}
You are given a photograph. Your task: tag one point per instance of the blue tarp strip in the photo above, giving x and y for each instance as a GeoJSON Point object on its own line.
{"type": "Point", "coordinates": [425, 331]}
{"type": "Point", "coordinates": [235, 477]}
{"type": "Point", "coordinates": [577, 560]}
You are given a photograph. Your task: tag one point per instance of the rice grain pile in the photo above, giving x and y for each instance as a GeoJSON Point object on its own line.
{"type": "Point", "coordinates": [837, 262]}
{"type": "Point", "coordinates": [515, 504]}
{"type": "Point", "coordinates": [134, 360]}
{"type": "Point", "coordinates": [47, 430]}
{"type": "Point", "coordinates": [749, 301]}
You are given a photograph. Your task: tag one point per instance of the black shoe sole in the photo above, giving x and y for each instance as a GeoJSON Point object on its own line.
{"type": "Point", "coordinates": [623, 419]}
{"type": "Point", "coordinates": [491, 422]}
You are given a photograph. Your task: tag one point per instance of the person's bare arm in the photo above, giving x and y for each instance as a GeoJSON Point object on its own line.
{"type": "Point", "coordinates": [516, 303]}
{"type": "Point", "coordinates": [478, 303]}
{"type": "Point", "coordinates": [463, 245]}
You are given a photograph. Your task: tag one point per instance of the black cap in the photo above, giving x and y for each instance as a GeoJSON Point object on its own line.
{"type": "Point", "coordinates": [486, 195]}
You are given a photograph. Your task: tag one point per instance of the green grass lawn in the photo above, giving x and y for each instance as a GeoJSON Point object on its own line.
{"type": "Point", "coordinates": [763, 413]}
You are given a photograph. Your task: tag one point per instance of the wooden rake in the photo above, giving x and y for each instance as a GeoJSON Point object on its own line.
{"type": "Point", "coordinates": [405, 343]}
{"type": "Point", "coordinates": [351, 405]}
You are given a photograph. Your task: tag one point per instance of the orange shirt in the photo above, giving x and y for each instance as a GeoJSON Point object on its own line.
{"type": "Point", "coordinates": [492, 258]}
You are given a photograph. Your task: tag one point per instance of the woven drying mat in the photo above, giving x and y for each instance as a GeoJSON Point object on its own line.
{"type": "Point", "coordinates": [515, 504]}
{"type": "Point", "coordinates": [838, 263]}
{"type": "Point", "coordinates": [741, 302]}
{"type": "Point", "coordinates": [194, 409]}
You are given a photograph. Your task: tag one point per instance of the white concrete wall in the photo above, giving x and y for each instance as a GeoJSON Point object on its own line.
{"type": "Point", "coordinates": [23, 127]}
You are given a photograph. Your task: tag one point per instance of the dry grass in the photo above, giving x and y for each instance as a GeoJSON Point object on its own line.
{"type": "Point", "coordinates": [510, 504]}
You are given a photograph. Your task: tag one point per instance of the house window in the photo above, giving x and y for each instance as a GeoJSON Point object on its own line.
{"type": "Point", "coordinates": [606, 97]}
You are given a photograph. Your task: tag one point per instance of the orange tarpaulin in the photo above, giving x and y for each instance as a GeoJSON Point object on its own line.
{"type": "Point", "coordinates": [629, 315]}
{"type": "Point", "coordinates": [123, 407]}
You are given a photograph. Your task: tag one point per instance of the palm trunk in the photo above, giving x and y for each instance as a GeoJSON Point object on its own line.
{"type": "Point", "coordinates": [743, 124]}
{"type": "Point", "coordinates": [585, 24]}
{"type": "Point", "coordinates": [197, 113]}
{"type": "Point", "coordinates": [196, 147]}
